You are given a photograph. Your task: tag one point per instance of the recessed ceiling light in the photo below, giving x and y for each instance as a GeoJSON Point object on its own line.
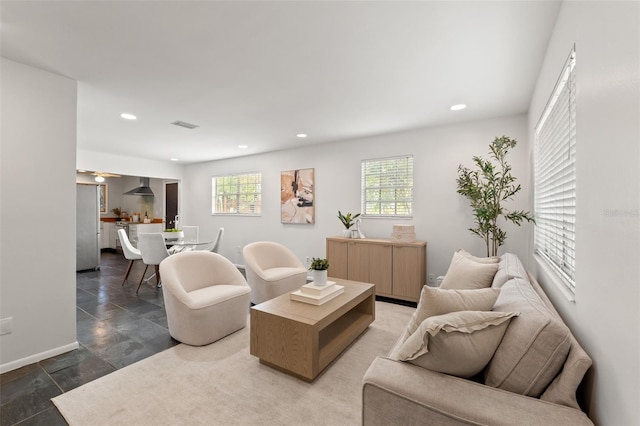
{"type": "Point", "coordinates": [301, 135]}
{"type": "Point", "coordinates": [243, 146]}
{"type": "Point", "coordinates": [128, 116]}
{"type": "Point", "coordinates": [458, 107]}
{"type": "Point", "coordinates": [99, 179]}
{"type": "Point", "coordinates": [174, 159]}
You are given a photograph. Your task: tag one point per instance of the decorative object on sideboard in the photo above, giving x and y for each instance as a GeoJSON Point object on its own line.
{"type": "Point", "coordinates": [403, 233]}
{"type": "Point", "coordinates": [348, 221]}
{"type": "Point", "coordinates": [318, 270]}
{"type": "Point", "coordinates": [487, 187]}
{"type": "Point", "coordinates": [357, 233]}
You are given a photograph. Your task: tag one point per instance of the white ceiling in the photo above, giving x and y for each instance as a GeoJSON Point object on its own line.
{"type": "Point", "coordinates": [258, 73]}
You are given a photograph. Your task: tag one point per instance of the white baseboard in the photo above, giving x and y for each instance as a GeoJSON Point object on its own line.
{"type": "Point", "coordinates": [13, 365]}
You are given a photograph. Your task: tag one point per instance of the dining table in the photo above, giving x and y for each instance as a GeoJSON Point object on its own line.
{"type": "Point", "coordinates": [178, 245]}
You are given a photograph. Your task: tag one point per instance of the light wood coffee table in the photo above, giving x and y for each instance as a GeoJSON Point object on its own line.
{"type": "Point", "coordinates": [302, 339]}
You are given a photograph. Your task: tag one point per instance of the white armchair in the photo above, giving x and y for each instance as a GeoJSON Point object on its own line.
{"type": "Point", "coordinates": [272, 269]}
{"type": "Point", "coordinates": [205, 296]}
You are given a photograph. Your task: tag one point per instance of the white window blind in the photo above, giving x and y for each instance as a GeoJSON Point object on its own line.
{"type": "Point", "coordinates": [237, 194]}
{"type": "Point", "coordinates": [387, 186]}
{"type": "Point", "coordinates": [555, 177]}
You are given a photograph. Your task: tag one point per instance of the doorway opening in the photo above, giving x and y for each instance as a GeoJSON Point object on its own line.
{"type": "Point", "coordinates": [171, 203]}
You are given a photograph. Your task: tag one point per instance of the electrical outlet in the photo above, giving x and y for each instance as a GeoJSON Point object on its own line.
{"type": "Point", "coordinates": [6, 325]}
{"type": "Point", "coordinates": [432, 279]}
{"type": "Point", "coordinates": [308, 260]}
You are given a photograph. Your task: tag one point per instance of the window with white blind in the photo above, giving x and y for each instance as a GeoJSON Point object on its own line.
{"type": "Point", "coordinates": [555, 177]}
{"type": "Point", "coordinates": [237, 194]}
{"type": "Point", "coordinates": [387, 187]}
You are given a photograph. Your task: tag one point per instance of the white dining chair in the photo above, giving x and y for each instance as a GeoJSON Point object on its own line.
{"type": "Point", "coordinates": [130, 252]}
{"type": "Point", "coordinates": [153, 250]}
{"type": "Point", "coordinates": [190, 234]}
{"type": "Point", "coordinates": [215, 245]}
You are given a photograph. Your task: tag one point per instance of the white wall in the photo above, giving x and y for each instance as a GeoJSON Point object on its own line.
{"type": "Point", "coordinates": [38, 220]}
{"type": "Point", "coordinates": [125, 165]}
{"type": "Point", "coordinates": [441, 216]}
{"type": "Point", "coordinates": [605, 316]}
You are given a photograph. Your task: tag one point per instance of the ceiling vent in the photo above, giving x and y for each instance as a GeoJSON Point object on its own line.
{"type": "Point", "coordinates": [185, 125]}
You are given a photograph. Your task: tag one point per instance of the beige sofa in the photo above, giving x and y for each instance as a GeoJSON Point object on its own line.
{"type": "Point", "coordinates": [531, 379]}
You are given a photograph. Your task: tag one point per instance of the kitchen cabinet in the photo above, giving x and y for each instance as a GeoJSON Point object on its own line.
{"type": "Point", "coordinates": [398, 269]}
{"type": "Point", "coordinates": [107, 235]}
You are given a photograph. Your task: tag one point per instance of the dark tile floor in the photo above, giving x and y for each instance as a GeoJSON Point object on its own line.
{"type": "Point", "coordinates": [115, 328]}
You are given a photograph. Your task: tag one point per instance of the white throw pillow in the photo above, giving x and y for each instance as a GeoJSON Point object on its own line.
{"type": "Point", "coordinates": [465, 273]}
{"type": "Point", "coordinates": [437, 301]}
{"type": "Point", "coordinates": [459, 343]}
{"type": "Point", "coordinates": [492, 259]}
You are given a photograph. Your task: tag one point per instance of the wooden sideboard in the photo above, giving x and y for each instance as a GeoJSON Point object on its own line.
{"type": "Point", "coordinates": [397, 269]}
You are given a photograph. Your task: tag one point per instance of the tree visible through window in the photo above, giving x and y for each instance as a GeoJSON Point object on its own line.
{"type": "Point", "coordinates": [387, 186]}
{"type": "Point", "coordinates": [237, 194]}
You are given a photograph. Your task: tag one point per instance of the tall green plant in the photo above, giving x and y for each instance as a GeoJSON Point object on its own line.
{"type": "Point", "coordinates": [487, 188]}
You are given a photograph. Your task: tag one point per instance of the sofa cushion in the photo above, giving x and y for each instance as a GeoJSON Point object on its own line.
{"type": "Point", "coordinates": [465, 273]}
{"type": "Point", "coordinates": [535, 344]}
{"type": "Point", "coordinates": [458, 343]}
{"type": "Point", "coordinates": [492, 259]}
{"type": "Point", "coordinates": [437, 301]}
{"type": "Point", "coordinates": [562, 389]}
{"type": "Point", "coordinates": [509, 267]}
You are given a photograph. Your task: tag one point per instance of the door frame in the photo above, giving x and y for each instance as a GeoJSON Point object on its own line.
{"type": "Point", "coordinates": [164, 204]}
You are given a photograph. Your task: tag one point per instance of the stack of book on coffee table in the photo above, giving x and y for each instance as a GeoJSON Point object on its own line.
{"type": "Point", "coordinates": [317, 294]}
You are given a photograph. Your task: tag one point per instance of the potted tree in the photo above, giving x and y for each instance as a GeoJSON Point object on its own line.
{"type": "Point", "coordinates": [348, 221]}
{"type": "Point", "coordinates": [487, 188]}
{"type": "Point", "coordinates": [318, 270]}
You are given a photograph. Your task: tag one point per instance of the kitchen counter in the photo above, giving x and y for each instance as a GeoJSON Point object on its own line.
{"type": "Point", "coordinates": [113, 219]}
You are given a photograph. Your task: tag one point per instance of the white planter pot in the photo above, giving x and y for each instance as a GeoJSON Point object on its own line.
{"type": "Point", "coordinates": [319, 277]}
{"type": "Point", "coordinates": [346, 233]}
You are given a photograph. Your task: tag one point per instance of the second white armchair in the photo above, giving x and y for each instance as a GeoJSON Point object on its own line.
{"type": "Point", "coordinates": [272, 270]}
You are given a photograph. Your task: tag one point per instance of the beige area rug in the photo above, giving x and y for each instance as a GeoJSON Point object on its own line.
{"type": "Point", "coordinates": [222, 384]}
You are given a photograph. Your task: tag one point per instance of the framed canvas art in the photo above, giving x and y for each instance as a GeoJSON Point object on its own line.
{"type": "Point", "coordinates": [297, 200]}
{"type": "Point", "coordinates": [102, 197]}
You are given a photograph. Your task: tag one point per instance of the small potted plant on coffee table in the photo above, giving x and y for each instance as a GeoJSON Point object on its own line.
{"type": "Point", "coordinates": [318, 270]}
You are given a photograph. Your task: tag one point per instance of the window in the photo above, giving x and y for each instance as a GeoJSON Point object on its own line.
{"type": "Point", "coordinates": [387, 186]}
{"type": "Point", "coordinates": [237, 194]}
{"type": "Point", "coordinates": [555, 177]}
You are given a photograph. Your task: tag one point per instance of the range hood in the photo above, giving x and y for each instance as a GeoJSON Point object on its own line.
{"type": "Point", "coordinates": [143, 189]}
